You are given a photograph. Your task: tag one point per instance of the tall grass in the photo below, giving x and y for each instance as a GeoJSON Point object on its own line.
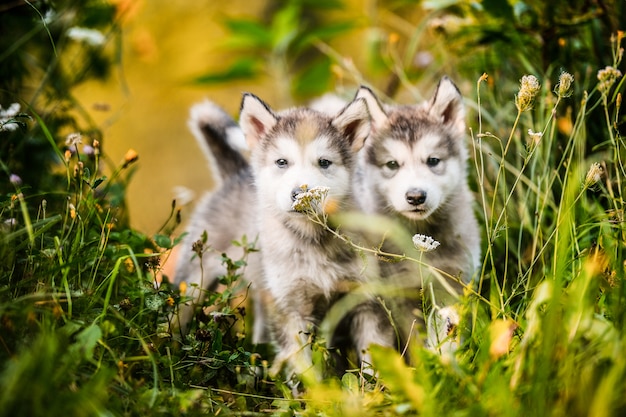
{"type": "Point", "coordinates": [542, 330]}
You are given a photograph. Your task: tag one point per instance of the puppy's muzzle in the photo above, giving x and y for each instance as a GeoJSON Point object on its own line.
{"type": "Point", "coordinates": [415, 197]}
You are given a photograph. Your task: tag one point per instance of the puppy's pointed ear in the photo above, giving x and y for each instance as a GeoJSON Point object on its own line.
{"type": "Point", "coordinates": [378, 115]}
{"type": "Point", "coordinates": [256, 119]}
{"type": "Point", "coordinates": [447, 105]}
{"type": "Point", "coordinates": [353, 122]}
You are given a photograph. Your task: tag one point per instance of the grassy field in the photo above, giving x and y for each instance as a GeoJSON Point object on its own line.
{"type": "Point", "coordinates": [85, 327]}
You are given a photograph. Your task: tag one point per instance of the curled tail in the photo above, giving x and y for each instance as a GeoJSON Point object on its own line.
{"type": "Point", "coordinates": [220, 138]}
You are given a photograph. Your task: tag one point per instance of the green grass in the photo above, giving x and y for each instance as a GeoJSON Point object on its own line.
{"type": "Point", "coordinates": [85, 329]}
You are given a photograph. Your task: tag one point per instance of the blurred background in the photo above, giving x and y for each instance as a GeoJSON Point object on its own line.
{"type": "Point", "coordinates": [125, 72]}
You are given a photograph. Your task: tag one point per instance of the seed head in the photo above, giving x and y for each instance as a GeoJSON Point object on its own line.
{"type": "Point", "coordinates": [594, 175]}
{"type": "Point", "coordinates": [198, 247]}
{"type": "Point", "coordinates": [529, 87]}
{"type": "Point", "coordinates": [607, 77]}
{"type": "Point", "coordinates": [565, 83]}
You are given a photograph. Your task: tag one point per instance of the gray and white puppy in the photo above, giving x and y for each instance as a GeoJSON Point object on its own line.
{"type": "Point", "coordinates": [307, 269]}
{"type": "Point", "coordinates": [413, 169]}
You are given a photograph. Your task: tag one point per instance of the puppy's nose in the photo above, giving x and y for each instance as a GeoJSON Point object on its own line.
{"type": "Point", "coordinates": [298, 190]}
{"type": "Point", "coordinates": [415, 197]}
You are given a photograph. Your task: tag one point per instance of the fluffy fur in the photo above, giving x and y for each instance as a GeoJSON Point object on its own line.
{"type": "Point", "coordinates": [413, 169]}
{"type": "Point", "coordinates": [306, 269]}
{"type": "Point", "coordinates": [224, 214]}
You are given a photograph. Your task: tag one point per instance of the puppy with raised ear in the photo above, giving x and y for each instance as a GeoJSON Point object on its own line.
{"type": "Point", "coordinates": [413, 169]}
{"type": "Point", "coordinates": [305, 268]}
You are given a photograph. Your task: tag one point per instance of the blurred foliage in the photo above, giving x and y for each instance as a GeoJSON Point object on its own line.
{"type": "Point", "coordinates": [509, 38]}
{"type": "Point", "coordinates": [46, 49]}
{"type": "Point", "coordinates": [282, 45]}
{"type": "Point", "coordinates": [412, 43]}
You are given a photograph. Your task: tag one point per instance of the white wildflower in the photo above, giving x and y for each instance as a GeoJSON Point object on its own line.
{"type": "Point", "coordinates": [425, 243]}
{"type": "Point", "coordinates": [73, 139]}
{"type": "Point", "coordinates": [535, 137]}
{"type": "Point", "coordinates": [7, 114]}
{"type": "Point", "coordinates": [49, 17]}
{"type": "Point", "coordinates": [89, 36]}
{"type": "Point", "coordinates": [310, 200]}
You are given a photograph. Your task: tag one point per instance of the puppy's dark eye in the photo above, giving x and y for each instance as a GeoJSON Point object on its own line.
{"type": "Point", "coordinates": [281, 163]}
{"type": "Point", "coordinates": [393, 165]}
{"type": "Point", "coordinates": [433, 162]}
{"type": "Point", "coordinates": [324, 163]}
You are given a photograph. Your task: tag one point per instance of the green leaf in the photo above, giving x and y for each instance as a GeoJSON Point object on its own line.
{"type": "Point", "coordinates": [396, 375]}
{"type": "Point", "coordinates": [314, 80]}
{"type": "Point", "coordinates": [97, 182]}
{"type": "Point", "coordinates": [180, 238]}
{"type": "Point", "coordinates": [499, 8]}
{"type": "Point", "coordinates": [163, 241]}
{"type": "Point", "coordinates": [88, 339]}
{"type": "Point", "coordinates": [248, 33]}
{"type": "Point", "coordinates": [242, 69]}
{"type": "Point", "coordinates": [326, 32]}
{"type": "Point", "coordinates": [217, 341]}
{"type": "Point", "coordinates": [323, 4]}
{"type": "Point", "coordinates": [351, 382]}
{"type": "Point", "coordinates": [285, 27]}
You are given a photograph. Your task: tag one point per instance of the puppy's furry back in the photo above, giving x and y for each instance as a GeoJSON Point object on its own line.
{"type": "Point", "coordinates": [225, 214]}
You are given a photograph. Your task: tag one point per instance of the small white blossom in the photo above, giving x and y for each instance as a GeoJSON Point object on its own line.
{"type": "Point", "coordinates": [89, 36]}
{"type": "Point", "coordinates": [73, 139]}
{"type": "Point", "coordinates": [49, 17]}
{"type": "Point", "coordinates": [8, 114]}
{"type": "Point", "coordinates": [425, 243]}
{"type": "Point", "coordinates": [535, 136]}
